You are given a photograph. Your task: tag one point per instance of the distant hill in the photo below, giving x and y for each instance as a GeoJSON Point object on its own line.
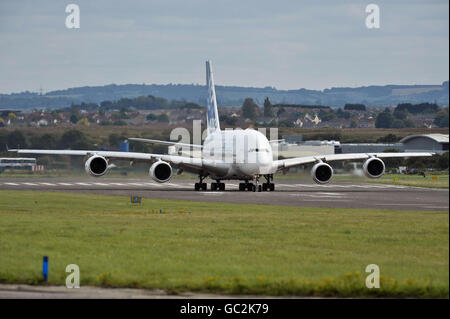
{"type": "Point", "coordinates": [232, 95]}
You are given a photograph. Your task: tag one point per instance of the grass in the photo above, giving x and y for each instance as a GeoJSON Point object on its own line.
{"type": "Point", "coordinates": [162, 130]}
{"type": "Point", "coordinates": [439, 181]}
{"type": "Point", "coordinates": [222, 248]}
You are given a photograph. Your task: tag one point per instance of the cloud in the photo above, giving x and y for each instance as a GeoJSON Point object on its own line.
{"type": "Point", "coordinates": [287, 44]}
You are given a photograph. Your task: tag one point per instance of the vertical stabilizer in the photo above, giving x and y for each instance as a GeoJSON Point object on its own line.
{"type": "Point", "coordinates": [212, 115]}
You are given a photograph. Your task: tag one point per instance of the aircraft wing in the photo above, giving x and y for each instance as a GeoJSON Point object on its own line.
{"type": "Point", "coordinates": [170, 143]}
{"type": "Point", "coordinates": [193, 164]}
{"type": "Point", "coordinates": [296, 161]}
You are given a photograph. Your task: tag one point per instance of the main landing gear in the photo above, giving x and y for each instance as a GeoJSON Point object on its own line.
{"type": "Point", "coordinates": [267, 186]}
{"type": "Point", "coordinates": [218, 186]}
{"type": "Point", "coordinates": [247, 187]}
{"type": "Point", "coordinates": [201, 186]}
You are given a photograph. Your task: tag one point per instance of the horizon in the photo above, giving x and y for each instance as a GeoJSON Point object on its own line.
{"type": "Point", "coordinates": [218, 85]}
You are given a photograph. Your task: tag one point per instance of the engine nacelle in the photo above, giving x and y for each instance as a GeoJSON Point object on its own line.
{"type": "Point", "coordinates": [160, 171]}
{"type": "Point", "coordinates": [373, 167]}
{"type": "Point", "coordinates": [322, 173]}
{"type": "Point", "coordinates": [96, 166]}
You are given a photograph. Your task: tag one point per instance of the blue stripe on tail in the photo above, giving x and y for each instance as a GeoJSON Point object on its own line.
{"type": "Point", "coordinates": [212, 116]}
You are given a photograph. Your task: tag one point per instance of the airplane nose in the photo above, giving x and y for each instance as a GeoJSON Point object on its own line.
{"type": "Point", "coordinates": [263, 159]}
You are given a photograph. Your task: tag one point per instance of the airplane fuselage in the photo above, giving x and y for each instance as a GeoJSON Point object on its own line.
{"type": "Point", "coordinates": [246, 153]}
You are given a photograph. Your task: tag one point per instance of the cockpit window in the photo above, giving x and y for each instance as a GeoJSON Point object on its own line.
{"type": "Point", "coordinates": [259, 150]}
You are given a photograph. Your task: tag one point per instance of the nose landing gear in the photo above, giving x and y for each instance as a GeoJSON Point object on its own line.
{"type": "Point", "coordinates": [268, 186]}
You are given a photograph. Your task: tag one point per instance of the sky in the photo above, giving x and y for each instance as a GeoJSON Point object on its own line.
{"type": "Point", "coordinates": [283, 44]}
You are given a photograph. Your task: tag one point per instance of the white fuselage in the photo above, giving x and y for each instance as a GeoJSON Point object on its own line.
{"type": "Point", "coordinates": [246, 153]}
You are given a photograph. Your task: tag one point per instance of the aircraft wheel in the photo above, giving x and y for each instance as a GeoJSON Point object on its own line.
{"type": "Point", "coordinates": [204, 186]}
{"type": "Point", "coordinates": [272, 187]}
{"type": "Point", "coordinates": [197, 186]}
{"type": "Point", "coordinates": [214, 186]}
{"type": "Point", "coordinates": [259, 188]}
{"type": "Point", "coordinates": [264, 187]}
{"type": "Point", "coordinates": [221, 186]}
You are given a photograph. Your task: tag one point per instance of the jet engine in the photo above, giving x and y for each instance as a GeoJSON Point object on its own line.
{"type": "Point", "coordinates": [96, 166]}
{"type": "Point", "coordinates": [160, 171]}
{"type": "Point", "coordinates": [322, 173]}
{"type": "Point", "coordinates": [373, 167]}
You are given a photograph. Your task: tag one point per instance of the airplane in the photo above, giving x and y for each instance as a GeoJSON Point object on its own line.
{"type": "Point", "coordinates": [244, 155]}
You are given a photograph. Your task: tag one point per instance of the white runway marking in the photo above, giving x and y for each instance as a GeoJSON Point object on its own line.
{"type": "Point", "coordinates": [173, 185]}
{"type": "Point", "coordinates": [395, 204]}
{"type": "Point", "coordinates": [325, 200]}
{"type": "Point", "coordinates": [231, 186]}
{"type": "Point", "coordinates": [153, 184]}
{"type": "Point", "coordinates": [330, 194]}
{"type": "Point", "coordinates": [436, 207]}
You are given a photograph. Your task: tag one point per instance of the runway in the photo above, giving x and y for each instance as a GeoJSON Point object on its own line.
{"type": "Point", "coordinates": [287, 192]}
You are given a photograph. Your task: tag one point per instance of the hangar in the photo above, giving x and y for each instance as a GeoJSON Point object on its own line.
{"type": "Point", "coordinates": [437, 143]}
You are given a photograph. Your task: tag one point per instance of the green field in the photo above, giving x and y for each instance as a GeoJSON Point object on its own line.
{"type": "Point", "coordinates": [222, 248]}
{"type": "Point", "coordinates": [429, 181]}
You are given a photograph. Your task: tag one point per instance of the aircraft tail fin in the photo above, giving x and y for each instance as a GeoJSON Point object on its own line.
{"type": "Point", "coordinates": [212, 115]}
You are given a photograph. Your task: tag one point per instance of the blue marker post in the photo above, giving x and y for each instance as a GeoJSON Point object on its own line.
{"type": "Point", "coordinates": [45, 268]}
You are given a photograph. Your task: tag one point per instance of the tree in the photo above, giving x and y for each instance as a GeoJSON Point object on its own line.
{"type": "Point", "coordinates": [74, 139]}
{"type": "Point", "coordinates": [384, 119]}
{"type": "Point", "coordinates": [281, 110]}
{"type": "Point", "coordinates": [409, 123]}
{"type": "Point", "coordinates": [74, 118]}
{"type": "Point", "coordinates": [46, 141]}
{"type": "Point", "coordinates": [17, 139]}
{"type": "Point", "coordinates": [400, 114]}
{"type": "Point", "coordinates": [353, 124]}
{"type": "Point", "coordinates": [390, 138]}
{"type": "Point", "coordinates": [398, 124]}
{"type": "Point", "coordinates": [249, 109]}
{"type": "Point", "coordinates": [151, 117]}
{"type": "Point", "coordinates": [326, 116]}
{"type": "Point", "coordinates": [163, 118]}
{"type": "Point", "coordinates": [268, 108]}
{"type": "Point", "coordinates": [441, 119]}
{"type": "Point", "coordinates": [114, 139]}
{"type": "Point", "coordinates": [229, 120]}
{"type": "Point", "coordinates": [354, 107]}
{"type": "Point", "coordinates": [84, 121]}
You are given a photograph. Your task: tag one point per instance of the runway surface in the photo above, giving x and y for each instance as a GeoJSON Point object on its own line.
{"type": "Point", "coordinates": [287, 192]}
{"type": "Point", "coordinates": [14, 291]}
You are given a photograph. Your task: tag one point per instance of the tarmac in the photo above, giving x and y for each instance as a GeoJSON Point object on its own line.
{"type": "Point", "coordinates": [287, 192]}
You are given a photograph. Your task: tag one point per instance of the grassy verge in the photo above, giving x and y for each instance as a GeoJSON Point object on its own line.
{"type": "Point", "coordinates": [223, 248]}
{"type": "Point", "coordinates": [440, 181]}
